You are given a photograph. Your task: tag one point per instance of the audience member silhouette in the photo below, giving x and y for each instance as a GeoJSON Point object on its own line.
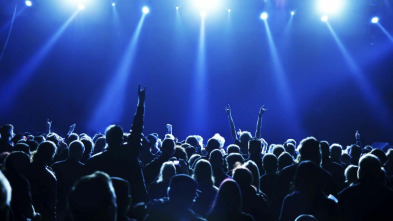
{"type": "Point", "coordinates": [43, 181]}
{"type": "Point", "coordinates": [255, 151]}
{"type": "Point", "coordinates": [232, 161]}
{"type": "Point", "coordinates": [284, 160]}
{"type": "Point", "coordinates": [254, 203]}
{"type": "Point", "coordinates": [308, 196]}
{"type": "Point", "coordinates": [6, 134]}
{"type": "Point", "coordinates": [23, 147]}
{"type": "Point", "coordinates": [217, 162]}
{"type": "Point", "coordinates": [152, 169]}
{"type": "Point", "coordinates": [306, 217]}
{"type": "Point", "coordinates": [181, 194]}
{"type": "Point", "coordinates": [355, 152]}
{"type": "Point", "coordinates": [228, 203]}
{"type": "Point", "coordinates": [212, 144]}
{"type": "Point", "coordinates": [92, 198]}
{"type": "Point", "coordinates": [196, 141]}
{"type": "Point", "coordinates": [89, 146]}
{"type": "Point", "coordinates": [351, 175]}
{"type": "Point", "coordinates": [15, 166]}
{"type": "Point", "coordinates": [233, 148]}
{"type": "Point", "coordinates": [159, 188]}
{"type": "Point", "coordinates": [250, 165]}
{"type": "Point", "coordinates": [335, 169]}
{"type": "Point", "coordinates": [203, 174]}
{"type": "Point", "coordinates": [335, 153]}
{"type": "Point", "coordinates": [269, 179]}
{"type": "Point", "coordinates": [123, 198]}
{"type": "Point", "coordinates": [99, 145]}
{"type": "Point", "coordinates": [5, 199]}
{"type": "Point", "coordinates": [278, 150]}
{"type": "Point", "coordinates": [370, 199]}
{"type": "Point", "coordinates": [67, 172]}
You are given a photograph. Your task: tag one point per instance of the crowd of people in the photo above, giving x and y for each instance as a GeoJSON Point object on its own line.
{"type": "Point", "coordinates": [123, 175]}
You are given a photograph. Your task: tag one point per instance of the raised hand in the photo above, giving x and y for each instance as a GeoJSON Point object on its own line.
{"type": "Point", "coordinates": [141, 93]}
{"type": "Point", "coordinates": [169, 128]}
{"type": "Point", "coordinates": [71, 130]}
{"type": "Point", "coordinates": [262, 110]}
{"type": "Point", "coordinates": [49, 125]}
{"type": "Point", "coordinates": [228, 109]}
{"type": "Point", "coordinates": [357, 135]}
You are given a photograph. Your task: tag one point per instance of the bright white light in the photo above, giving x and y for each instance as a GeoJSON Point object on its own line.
{"type": "Point", "coordinates": [203, 14]}
{"type": "Point", "coordinates": [264, 16]}
{"type": "Point", "coordinates": [324, 18]}
{"type": "Point", "coordinates": [81, 6]}
{"type": "Point", "coordinates": [177, 7]}
{"type": "Point", "coordinates": [330, 6]}
{"type": "Point", "coordinates": [113, 4]}
{"type": "Point", "coordinates": [375, 20]}
{"type": "Point", "coordinates": [206, 4]}
{"type": "Point", "coordinates": [229, 10]}
{"type": "Point", "coordinates": [292, 12]}
{"type": "Point", "coordinates": [145, 10]}
{"type": "Point", "coordinates": [28, 3]}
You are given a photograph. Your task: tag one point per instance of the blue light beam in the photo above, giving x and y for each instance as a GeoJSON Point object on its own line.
{"type": "Point", "coordinates": [11, 88]}
{"type": "Point", "coordinates": [385, 32]}
{"type": "Point", "coordinates": [282, 83]}
{"type": "Point", "coordinates": [110, 107]}
{"type": "Point", "coordinates": [380, 110]}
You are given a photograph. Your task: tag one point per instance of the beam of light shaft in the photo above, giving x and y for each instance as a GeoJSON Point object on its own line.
{"type": "Point", "coordinates": [370, 93]}
{"type": "Point", "coordinates": [12, 87]}
{"type": "Point", "coordinates": [8, 24]}
{"type": "Point", "coordinates": [110, 107]}
{"type": "Point", "coordinates": [283, 84]}
{"type": "Point", "coordinates": [198, 113]}
{"type": "Point", "coordinates": [385, 32]}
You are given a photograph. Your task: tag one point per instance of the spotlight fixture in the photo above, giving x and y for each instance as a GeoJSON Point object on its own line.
{"type": "Point", "coordinates": [264, 16]}
{"type": "Point", "coordinates": [145, 10]}
{"type": "Point", "coordinates": [375, 20]}
{"type": "Point", "coordinates": [28, 3]}
{"type": "Point", "coordinates": [113, 4]}
{"type": "Point", "coordinates": [324, 18]}
{"type": "Point", "coordinates": [81, 6]}
{"type": "Point", "coordinates": [203, 14]}
{"type": "Point", "coordinates": [292, 13]}
{"type": "Point", "coordinates": [229, 10]}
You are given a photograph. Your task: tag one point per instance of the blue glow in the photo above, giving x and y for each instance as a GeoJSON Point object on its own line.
{"type": "Point", "coordinates": [292, 13]}
{"type": "Point", "coordinates": [145, 10]}
{"type": "Point", "coordinates": [264, 16]}
{"type": "Point", "coordinates": [28, 3]}
{"type": "Point", "coordinates": [324, 18]}
{"type": "Point", "coordinates": [113, 4]}
{"type": "Point", "coordinates": [385, 32]}
{"type": "Point", "coordinates": [110, 108]}
{"type": "Point", "coordinates": [375, 20]}
{"type": "Point", "coordinates": [330, 6]}
{"type": "Point", "coordinates": [369, 92]}
{"type": "Point", "coordinates": [229, 10]}
{"type": "Point", "coordinates": [283, 86]}
{"type": "Point", "coordinates": [11, 88]}
{"type": "Point", "coordinates": [177, 7]}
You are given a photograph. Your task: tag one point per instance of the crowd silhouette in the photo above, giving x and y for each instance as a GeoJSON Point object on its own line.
{"type": "Point", "coordinates": [125, 175]}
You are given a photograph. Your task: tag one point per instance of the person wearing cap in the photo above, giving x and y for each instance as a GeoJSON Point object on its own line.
{"type": "Point", "coordinates": [182, 191]}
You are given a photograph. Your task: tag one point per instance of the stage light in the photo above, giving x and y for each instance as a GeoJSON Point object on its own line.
{"type": "Point", "coordinates": [292, 13]}
{"type": "Point", "coordinates": [330, 6]}
{"type": "Point", "coordinates": [375, 20]}
{"type": "Point", "coordinates": [113, 4]}
{"type": "Point", "coordinates": [177, 7]}
{"type": "Point", "coordinates": [324, 18]}
{"type": "Point", "coordinates": [145, 10]}
{"type": "Point", "coordinates": [264, 16]}
{"type": "Point", "coordinates": [206, 4]}
{"type": "Point", "coordinates": [81, 6]}
{"type": "Point", "coordinates": [28, 3]}
{"type": "Point", "coordinates": [203, 14]}
{"type": "Point", "coordinates": [229, 10]}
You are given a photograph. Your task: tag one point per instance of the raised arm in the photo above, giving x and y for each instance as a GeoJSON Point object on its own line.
{"type": "Point", "coordinates": [71, 130]}
{"type": "Point", "coordinates": [134, 140]}
{"type": "Point", "coordinates": [231, 123]}
{"type": "Point", "coordinates": [262, 110]}
{"type": "Point", "coordinates": [48, 126]}
{"type": "Point", "coordinates": [357, 136]}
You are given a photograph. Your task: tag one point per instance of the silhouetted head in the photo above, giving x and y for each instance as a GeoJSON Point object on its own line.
{"type": "Point", "coordinates": [167, 171]}
{"type": "Point", "coordinates": [99, 145]}
{"type": "Point", "coordinates": [88, 143]}
{"type": "Point", "coordinates": [196, 141]}
{"type": "Point", "coordinates": [307, 178]}
{"type": "Point", "coordinates": [54, 138]}
{"type": "Point", "coordinates": [335, 152]}
{"type": "Point", "coordinates": [278, 150]}
{"type": "Point", "coordinates": [182, 190]}
{"type": "Point", "coordinates": [193, 159]}
{"type": "Point", "coordinates": [180, 153]}
{"type": "Point", "coordinates": [168, 147]}
{"type": "Point", "coordinates": [290, 148]}
{"type": "Point", "coordinates": [242, 176]}
{"type": "Point", "coordinates": [93, 198]}
{"type": "Point", "coordinates": [389, 155]}
{"type": "Point", "coordinates": [306, 217]}
{"type": "Point", "coordinates": [245, 136]}
{"type": "Point", "coordinates": [72, 137]}
{"type": "Point", "coordinates": [233, 148]}
{"type": "Point", "coordinates": [6, 132]}
{"type": "Point", "coordinates": [346, 159]}
{"type": "Point", "coordinates": [216, 158]}
{"type": "Point", "coordinates": [212, 144]}
{"type": "Point", "coordinates": [203, 173]}
{"type": "Point", "coordinates": [228, 199]}
{"type": "Point", "coordinates": [380, 154]}
{"type": "Point", "coordinates": [22, 147]}
{"type": "Point", "coordinates": [114, 135]}
{"type": "Point", "coordinates": [232, 159]}
{"type": "Point", "coordinates": [76, 150]}
{"type": "Point", "coordinates": [255, 147]}
{"type": "Point", "coordinates": [284, 160]}
{"type": "Point", "coordinates": [355, 151]}
{"type": "Point", "coordinates": [291, 141]}
{"type": "Point", "coordinates": [269, 163]}
{"type": "Point", "coordinates": [369, 168]}
{"type": "Point", "coordinates": [45, 153]}
{"type": "Point", "coordinates": [325, 150]}
{"type": "Point", "coordinates": [17, 161]}
{"type": "Point", "coordinates": [351, 174]}
{"type": "Point", "coordinates": [39, 139]}
{"type": "Point", "coordinates": [255, 172]}
{"type": "Point", "coordinates": [123, 196]}
{"type": "Point", "coordinates": [309, 150]}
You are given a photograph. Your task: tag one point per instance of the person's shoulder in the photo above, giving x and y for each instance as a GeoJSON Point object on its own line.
{"type": "Point", "coordinates": [288, 170]}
